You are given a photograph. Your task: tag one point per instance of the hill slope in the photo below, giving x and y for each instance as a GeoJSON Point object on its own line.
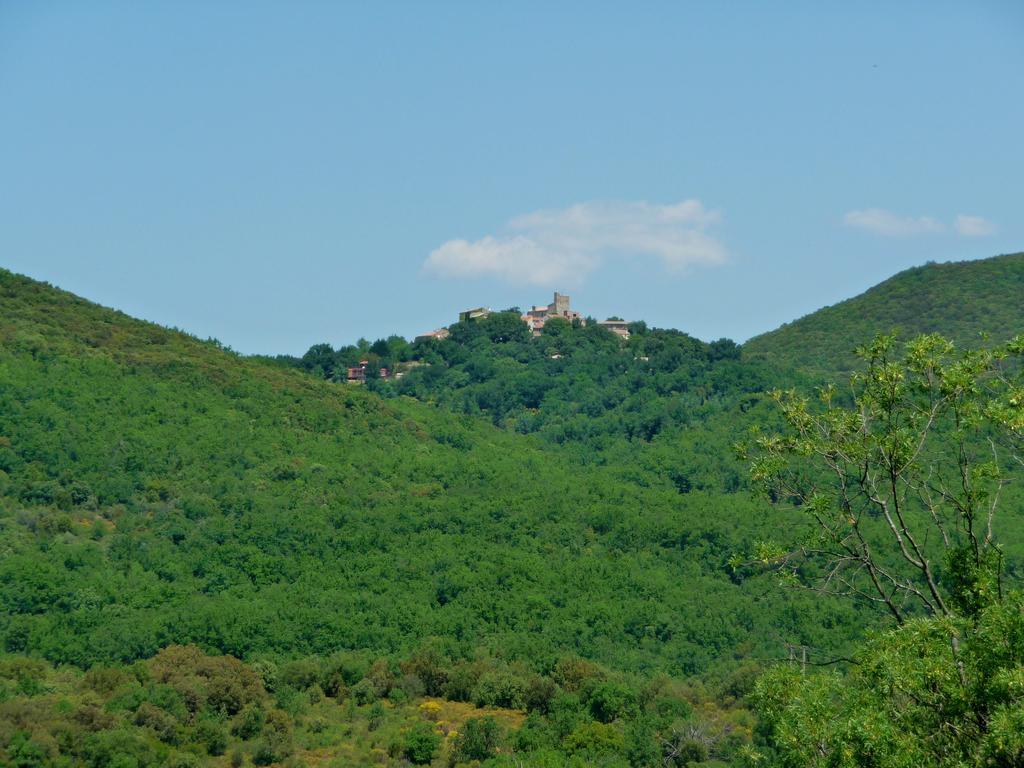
{"type": "Point", "coordinates": [352, 544]}
{"type": "Point", "coordinates": [961, 300]}
{"type": "Point", "coordinates": [155, 489]}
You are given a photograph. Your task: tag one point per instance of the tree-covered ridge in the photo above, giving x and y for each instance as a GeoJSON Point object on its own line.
{"type": "Point", "coordinates": [569, 374]}
{"type": "Point", "coordinates": [662, 404]}
{"type": "Point", "coordinates": [159, 490]}
{"type": "Point", "coordinates": [961, 300]}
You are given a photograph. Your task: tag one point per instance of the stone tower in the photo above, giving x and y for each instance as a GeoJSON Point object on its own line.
{"type": "Point", "coordinates": [561, 304]}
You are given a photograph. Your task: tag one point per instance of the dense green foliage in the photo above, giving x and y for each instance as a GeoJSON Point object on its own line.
{"type": "Point", "coordinates": [905, 703]}
{"type": "Point", "coordinates": [906, 493]}
{"type": "Point", "coordinates": [185, 708]}
{"type": "Point", "coordinates": [961, 300]}
{"type": "Point", "coordinates": [912, 464]}
{"type": "Point", "coordinates": [158, 490]}
{"type": "Point", "coordinates": [522, 551]}
{"type": "Point", "coordinates": [662, 403]}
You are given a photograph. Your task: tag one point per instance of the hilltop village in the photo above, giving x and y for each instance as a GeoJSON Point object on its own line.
{"type": "Point", "coordinates": [535, 319]}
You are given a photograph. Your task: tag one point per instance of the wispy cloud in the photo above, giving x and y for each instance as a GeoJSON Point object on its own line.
{"type": "Point", "coordinates": [974, 226]}
{"type": "Point", "coordinates": [562, 246]}
{"type": "Point", "coordinates": [882, 222]}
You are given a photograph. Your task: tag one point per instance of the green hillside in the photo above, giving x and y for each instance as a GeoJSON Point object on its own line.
{"type": "Point", "coordinates": [663, 404]}
{"type": "Point", "coordinates": [249, 508]}
{"type": "Point", "coordinates": [961, 300]}
{"type": "Point", "coordinates": [522, 552]}
{"type": "Point", "coordinates": [158, 490]}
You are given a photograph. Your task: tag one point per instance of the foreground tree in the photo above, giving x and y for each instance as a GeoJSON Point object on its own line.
{"type": "Point", "coordinates": [898, 483]}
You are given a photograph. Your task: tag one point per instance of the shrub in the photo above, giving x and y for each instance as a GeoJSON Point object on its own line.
{"type": "Point", "coordinates": [343, 670]}
{"type": "Point", "coordinates": [380, 677]}
{"type": "Point", "coordinates": [532, 735]}
{"type": "Point", "coordinates": [222, 682]}
{"type": "Point", "coordinates": [375, 716]}
{"type": "Point", "coordinates": [539, 693]}
{"type": "Point", "coordinates": [741, 681]}
{"type": "Point", "coordinates": [691, 751]}
{"type": "Point", "coordinates": [610, 701]}
{"type": "Point", "coordinates": [411, 685]}
{"type": "Point", "coordinates": [575, 674]}
{"type": "Point", "coordinates": [462, 679]}
{"type": "Point", "coordinates": [248, 722]}
{"type": "Point", "coordinates": [335, 687]}
{"type": "Point", "coordinates": [595, 739]}
{"type": "Point", "coordinates": [183, 760]}
{"type": "Point", "coordinates": [105, 680]}
{"type": "Point", "coordinates": [162, 723]}
{"type": "Point", "coordinates": [364, 692]}
{"type": "Point", "coordinates": [478, 740]}
{"type": "Point", "coordinates": [24, 752]}
{"type": "Point", "coordinates": [397, 696]}
{"type": "Point", "coordinates": [276, 743]}
{"type": "Point", "coordinates": [430, 665]}
{"type": "Point", "coordinates": [499, 689]}
{"type": "Point", "coordinates": [268, 673]}
{"type": "Point", "coordinates": [93, 717]}
{"type": "Point", "coordinates": [291, 700]}
{"type": "Point", "coordinates": [421, 743]}
{"type": "Point", "coordinates": [300, 674]}
{"type": "Point", "coordinates": [212, 736]}
{"type": "Point", "coordinates": [121, 747]}
{"type": "Point", "coordinates": [641, 744]}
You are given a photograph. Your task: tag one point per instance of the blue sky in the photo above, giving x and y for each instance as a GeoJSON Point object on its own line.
{"type": "Point", "coordinates": [280, 174]}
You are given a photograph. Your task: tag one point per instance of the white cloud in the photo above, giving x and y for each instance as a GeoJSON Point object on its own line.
{"type": "Point", "coordinates": [561, 246]}
{"type": "Point", "coordinates": [882, 222]}
{"type": "Point", "coordinates": [886, 223]}
{"type": "Point", "coordinates": [974, 226]}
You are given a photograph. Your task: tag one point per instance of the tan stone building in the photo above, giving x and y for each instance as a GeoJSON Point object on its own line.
{"type": "Point", "coordinates": [560, 307]}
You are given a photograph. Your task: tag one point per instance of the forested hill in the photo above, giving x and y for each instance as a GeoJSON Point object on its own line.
{"type": "Point", "coordinates": [158, 490]}
{"type": "Point", "coordinates": [661, 403]}
{"type": "Point", "coordinates": [522, 552]}
{"type": "Point", "coordinates": [961, 300]}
